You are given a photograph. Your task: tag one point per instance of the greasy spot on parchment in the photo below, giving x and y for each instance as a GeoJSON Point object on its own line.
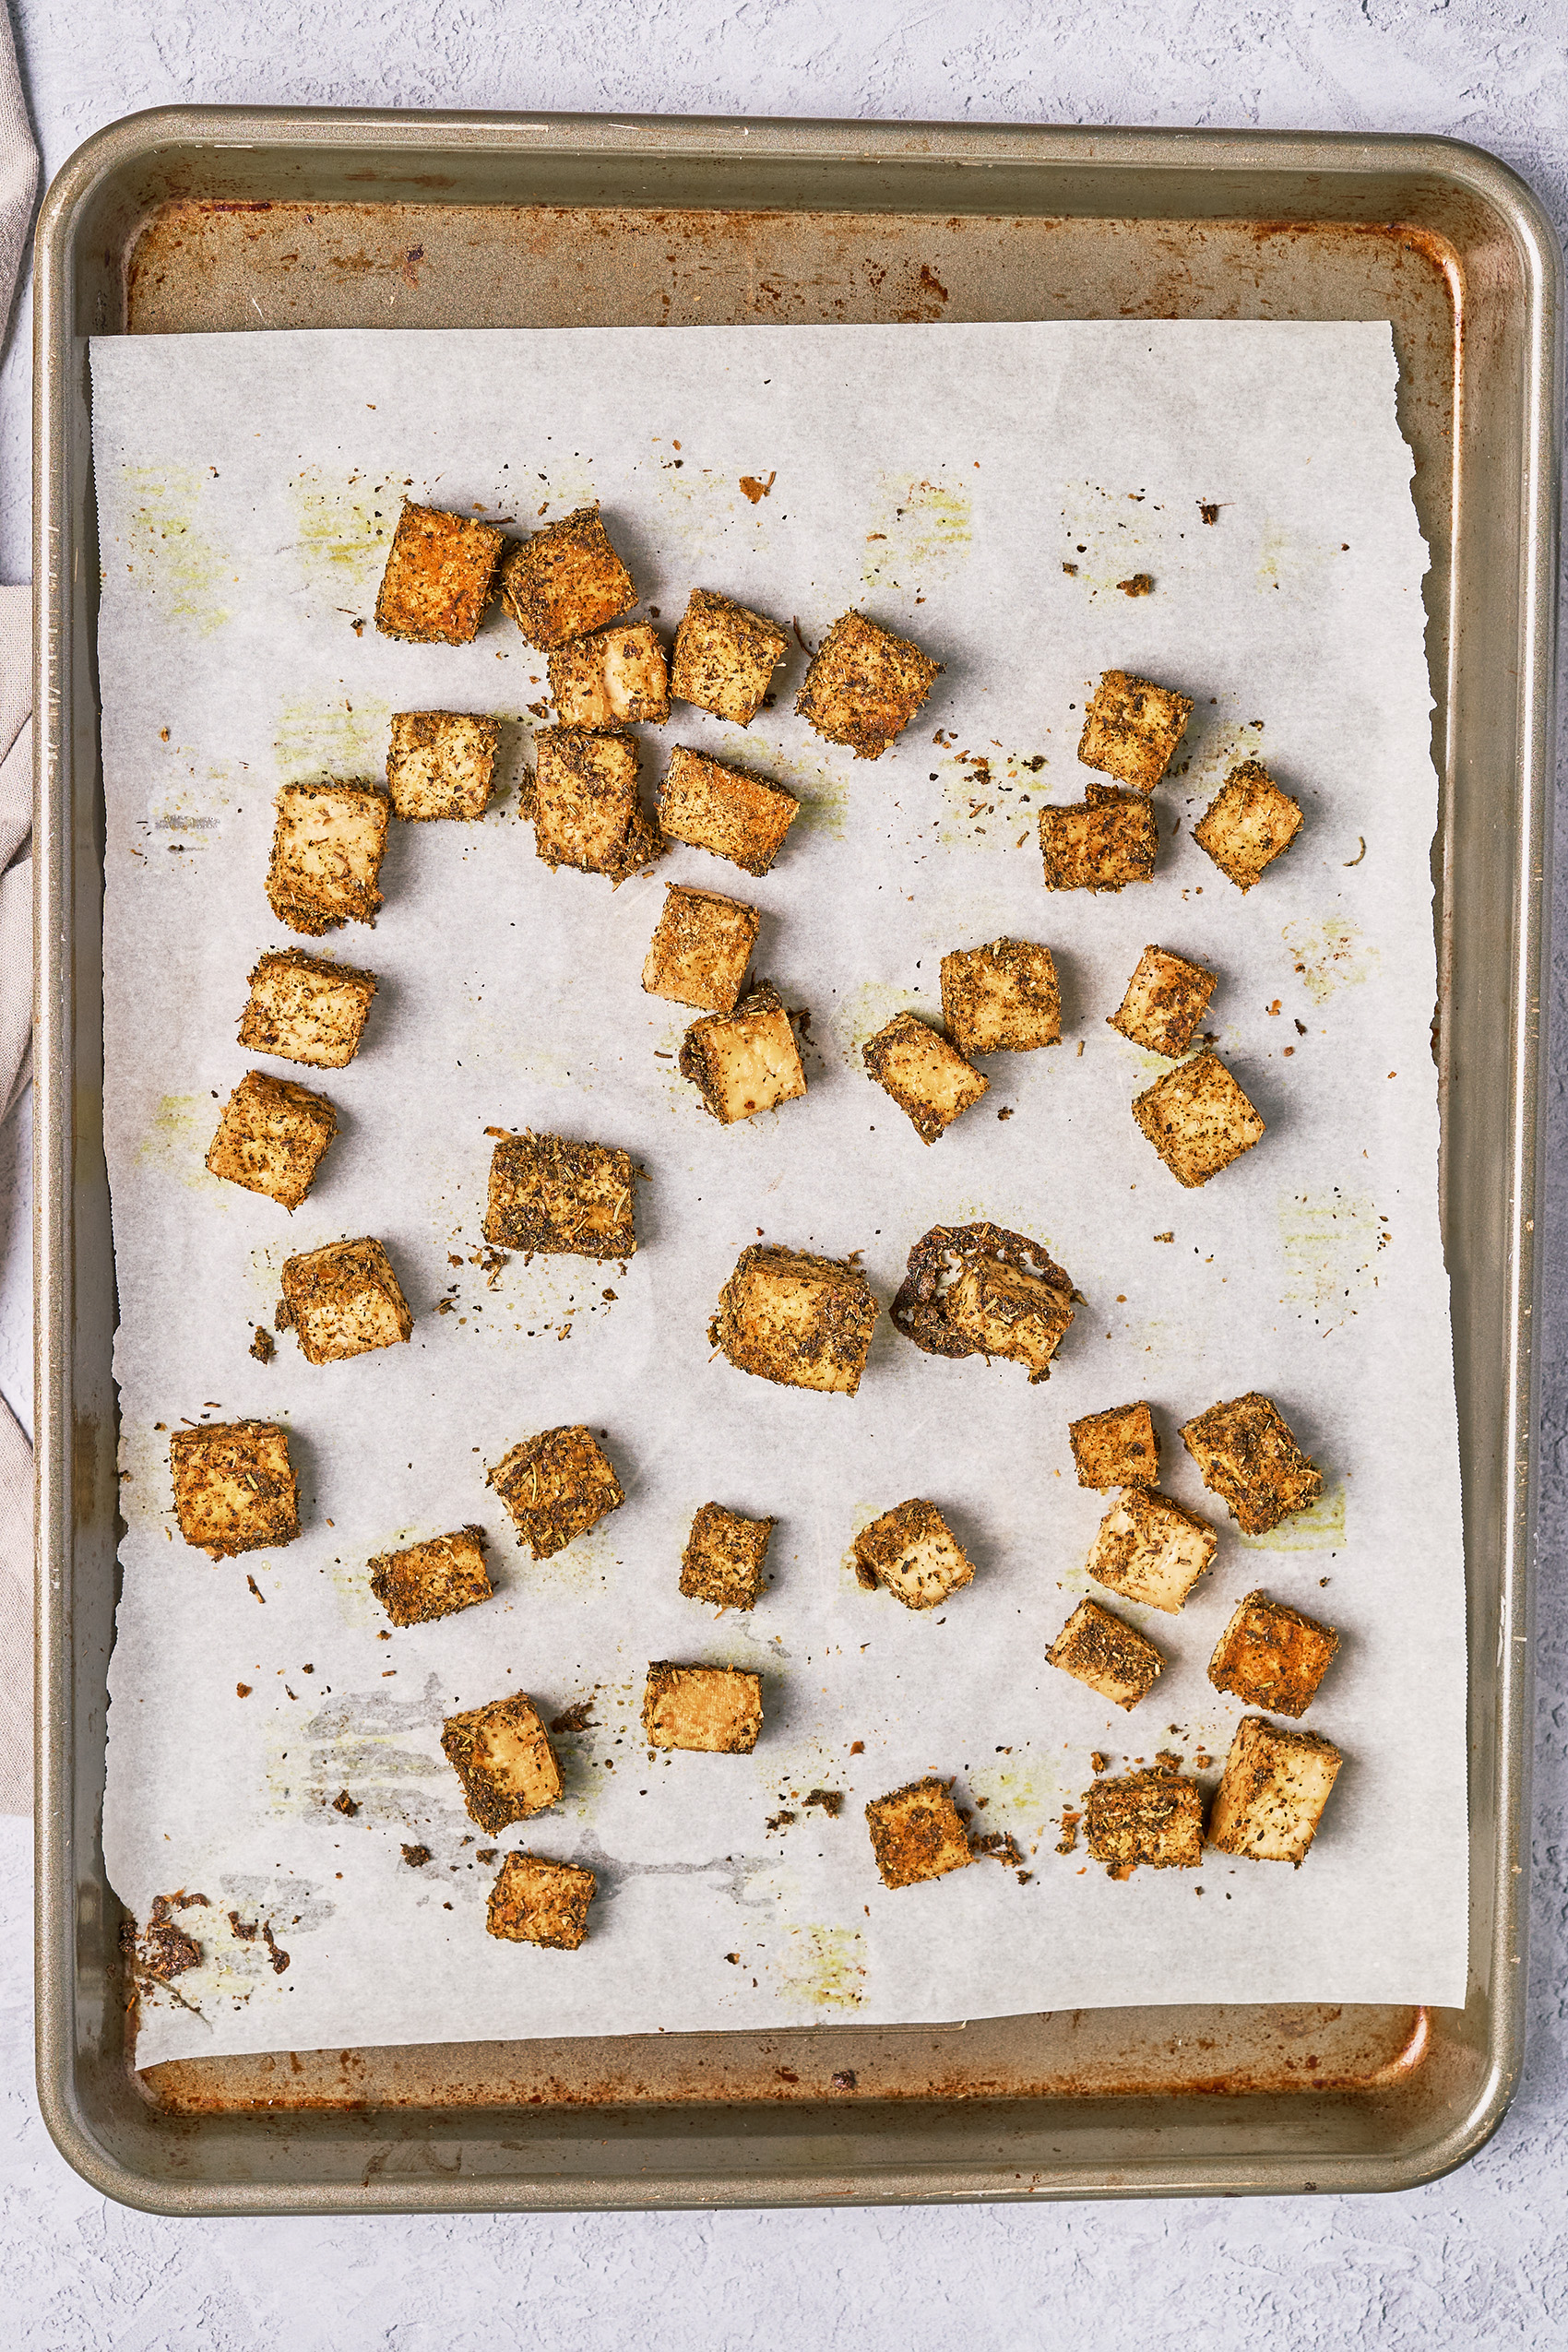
{"type": "Point", "coordinates": [1024, 1793]}
{"type": "Point", "coordinates": [192, 801]}
{"type": "Point", "coordinates": [820, 1964]}
{"type": "Point", "coordinates": [168, 554]}
{"type": "Point", "coordinates": [1102, 530]}
{"type": "Point", "coordinates": [374, 1744]}
{"type": "Point", "coordinates": [862, 1011]}
{"type": "Point", "coordinates": [700, 506]}
{"type": "Point", "coordinates": [1320, 1528]}
{"type": "Point", "coordinates": [1330, 1243]}
{"type": "Point", "coordinates": [183, 1126]}
{"type": "Point", "coordinates": [917, 532]}
{"type": "Point", "coordinates": [1287, 558]}
{"type": "Point", "coordinates": [347, 740]}
{"type": "Point", "coordinates": [1334, 955]}
{"type": "Point", "coordinates": [344, 529]}
{"type": "Point", "coordinates": [562, 488]}
{"type": "Point", "coordinates": [1218, 738]}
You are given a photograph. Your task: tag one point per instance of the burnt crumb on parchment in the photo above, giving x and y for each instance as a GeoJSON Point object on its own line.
{"type": "Point", "coordinates": [416, 1857]}
{"type": "Point", "coordinates": [829, 1800]}
{"type": "Point", "coordinates": [343, 1803]}
{"type": "Point", "coordinates": [162, 1950]}
{"type": "Point", "coordinates": [1071, 1817]}
{"type": "Point", "coordinates": [280, 1957]}
{"type": "Point", "coordinates": [263, 1346]}
{"type": "Point", "coordinates": [999, 1845]}
{"type": "Point", "coordinates": [256, 1590]}
{"type": "Point", "coordinates": [1140, 584]}
{"type": "Point", "coordinates": [243, 1930]}
{"type": "Point", "coordinates": [577, 1717]}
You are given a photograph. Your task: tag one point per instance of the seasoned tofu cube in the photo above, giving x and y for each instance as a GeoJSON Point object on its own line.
{"type": "Point", "coordinates": [725, 658]}
{"type": "Point", "coordinates": [723, 1559]}
{"type": "Point", "coordinates": [1166, 999]}
{"type": "Point", "coordinates": [272, 1137]}
{"type": "Point", "coordinates": [1001, 999]}
{"type": "Point", "coordinates": [865, 685]}
{"type": "Point", "coordinates": [1152, 1818]}
{"type": "Point", "coordinates": [804, 1322]}
{"type": "Point", "coordinates": [744, 1062]}
{"type": "Point", "coordinates": [565, 580]}
{"type": "Point", "coordinates": [1249, 823]}
{"type": "Point", "coordinates": [980, 1290]}
{"type": "Point", "coordinates": [1104, 841]}
{"type": "Point", "coordinates": [431, 1579]}
{"type": "Point", "coordinates": [1097, 1648]}
{"type": "Point", "coordinates": [503, 1756]}
{"type": "Point", "coordinates": [1198, 1119]}
{"type": "Point", "coordinates": [551, 1196]}
{"type": "Point", "coordinates": [617, 678]}
{"type": "Point", "coordinates": [556, 1486]}
{"type": "Point", "coordinates": [1272, 1792]}
{"type": "Point", "coordinates": [1272, 1656]}
{"type": "Point", "coordinates": [1150, 1549]}
{"type": "Point", "coordinates": [439, 573]}
{"type": "Point", "coordinates": [929, 1079]}
{"type": "Point", "coordinates": [916, 1832]}
{"type": "Point", "coordinates": [233, 1487]}
{"type": "Point", "coordinates": [303, 1008]}
{"type": "Point", "coordinates": [534, 1901]}
{"type": "Point", "coordinates": [344, 1300]}
{"type": "Point", "coordinates": [1118, 1447]}
{"type": "Point", "coordinates": [440, 763]}
{"type": "Point", "coordinates": [714, 1709]}
{"type": "Point", "coordinates": [723, 810]}
{"type": "Point", "coordinates": [328, 845]}
{"type": "Point", "coordinates": [699, 952]}
{"type": "Point", "coordinates": [1131, 729]}
{"type": "Point", "coordinates": [914, 1553]}
{"type": "Point", "coordinates": [1246, 1455]}
{"type": "Point", "coordinates": [585, 804]}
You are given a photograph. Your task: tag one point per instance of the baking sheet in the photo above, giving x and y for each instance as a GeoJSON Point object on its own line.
{"type": "Point", "coordinates": [942, 476]}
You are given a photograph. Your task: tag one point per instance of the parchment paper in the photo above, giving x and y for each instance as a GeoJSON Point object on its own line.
{"type": "Point", "coordinates": [984, 488]}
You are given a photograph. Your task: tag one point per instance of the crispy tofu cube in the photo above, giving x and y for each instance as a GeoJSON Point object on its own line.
{"type": "Point", "coordinates": [328, 845]}
{"type": "Point", "coordinates": [1001, 999]}
{"type": "Point", "coordinates": [1153, 1818]}
{"type": "Point", "coordinates": [723, 1559]}
{"type": "Point", "coordinates": [233, 1487]}
{"type": "Point", "coordinates": [1272, 1656]}
{"type": "Point", "coordinates": [980, 1290]}
{"type": "Point", "coordinates": [1246, 1455]}
{"type": "Point", "coordinates": [722, 809]}
{"type": "Point", "coordinates": [1249, 823]}
{"type": "Point", "coordinates": [272, 1137]}
{"type": "Point", "coordinates": [1198, 1119]}
{"type": "Point", "coordinates": [913, 1551]}
{"type": "Point", "coordinates": [715, 1710]}
{"type": "Point", "coordinates": [503, 1756]}
{"type": "Point", "coordinates": [534, 1901]}
{"type": "Point", "coordinates": [1131, 729]}
{"type": "Point", "coordinates": [745, 1061]}
{"type": "Point", "coordinates": [1097, 1648]}
{"type": "Point", "coordinates": [431, 1579]}
{"type": "Point", "coordinates": [725, 658]}
{"type": "Point", "coordinates": [1166, 999]}
{"type": "Point", "coordinates": [556, 1486]}
{"type": "Point", "coordinates": [615, 678]}
{"type": "Point", "coordinates": [439, 573]}
{"type": "Point", "coordinates": [1272, 1792]}
{"type": "Point", "coordinates": [916, 1832]}
{"type": "Point", "coordinates": [344, 1300]}
{"type": "Point", "coordinates": [440, 763]}
{"type": "Point", "coordinates": [565, 580]}
{"type": "Point", "coordinates": [585, 804]}
{"type": "Point", "coordinates": [548, 1194]}
{"type": "Point", "coordinates": [929, 1079]}
{"type": "Point", "coordinates": [1104, 841]}
{"type": "Point", "coordinates": [1118, 1447]}
{"type": "Point", "coordinates": [303, 1008]}
{"type": "Point", "coordinates": [804, 1322]}
{"type": "Point", "coordinates": [699, 952]}
{"type": "Point", "coordinates": [865, 685]}
{"type": "Point", "coordinates": [1150, 1549]}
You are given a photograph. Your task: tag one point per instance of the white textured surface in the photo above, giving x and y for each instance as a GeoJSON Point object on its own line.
{"type": "Point", "coordinates": [1476, 2260]}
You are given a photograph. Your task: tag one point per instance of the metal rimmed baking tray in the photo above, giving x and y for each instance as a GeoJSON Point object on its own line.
{"type": "Point", "coordinates": [201, 219]}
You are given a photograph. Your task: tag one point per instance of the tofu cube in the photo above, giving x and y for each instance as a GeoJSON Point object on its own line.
{"type": "Point", "coordinates": [1198, 1119]}
{"type": "Point", "coordinates": [272, 1137]}
{"type": "Point", "coordinates": [431, 1579]}
{"type": "Point", "coordinates": [1248, 826]}
{"type": "Point", "coordinates": [565, 580]}
{"type": "Point", "coordinates": [865, 685]}
{"type": "Point", "coordinates": [569, 1199]}
{"type": "Point", "coordinates": [1097, 1648]}
{"type": "Point", "coordinates": [929, 1079]}
{"type": "Point", "coordinates": [615, 678]}
{"type": "Point", "coordinates": [303, 1008]}
{"type": "Point", "coordinates": [1272, 1656]}
{"type": "Point", "coordinates": [916, 1832]}
{"type": "Point", "coordinates": [913, 1551]}
{"type": "Point", "coordinates": [980, 1290]}
{"type": "Point", "coordinates": [715, 1710]}
{"type": "Point", "coordinates": [1246, 1455]}
{"type": "Point", "coordinates": [1272, 1792]}
{"type": "Point", "coordinates": [1166, 999]}
{"type": "Point", "coordinates": [503, 1756]}
{"type": "Point", "coordinates": [534, 1901]}
{"type": "Point", "coordinates": [713, 806]}
{"type": "Point", "coordinates": [1150, 1549]}
{"type": "Point", "coordinates": [801, 1321]}
{"type": "Point", "coordinates": [440, 763]}
{"type": "Point", "coordinates": [725, 658]}
{"type": "Point", "coordinates": [1104, 841]}
{"type": "Point", "coordinates": [1131, 729]}
{"type": "Point", "coordinates": [1001, 999]}
{"type": "Point", "coordinates": [328, 845]}
{"type": "Point", "coordinates": [723, 1559]}
{"type": "Point", "coordinates": [344, 1300]}
{"type": "Point", "coordinates": [1155, 1819]}
{"type": "Point", "coordinates": [1118, 1447]}
{"type": "Point", "coordinates": [700, 949]}
{"type": "Point", "coordinates": [556, 1486]}
{"type": "Point", "coordinates": [585, 804]}
{"type": "Point", "coordinates": [233, 1487]}
{"type": "Point", "coordinates": [440, 569]}
{"type": "Point", "coordinates": [745, 1061]}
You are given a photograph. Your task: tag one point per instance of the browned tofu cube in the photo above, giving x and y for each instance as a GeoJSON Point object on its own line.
{"type": "Point", "coordinates": [585, 804]}
{"type": "Point", "coordinates": [344, 1300]}
{"type": "Point", "coordinates": [556, 1486]}
{"type": "Point", "coordinates": [565, 580]}
{"type": "Point", "coordinates": [617, 678]}
{"type": "Point", "coordinates": [503, 1756]}
{"type": "Point", "coordinates": [1104, 841]}
{"type": "Point", "coordinates": [439, 573]}
{"type": "Point", "coordinates": [804, 1322]}
{"type": "Point", "coordinates": [1272, 1792]}
{"type": "Point", "coordinates": [303, 1008]}
{"type": "Point", "coordinates": [744, 1062]}
{"type": "Point", "coordinates": [272, 1137]}
{"type": "Point", "coordinates": [440, 763]}
{"type": "Point", "coordinates": [534, 1901]}
{"type": "Point", "coordinates": [551, 1196]}
{"type": "Point", "coordinates": [980, 1290]}
{"type": "Point", "coordinates": [1246, 1455]}
{"type": "Point", "coordinates": [1097, 1648]}
{"type": "Point", "coordinates": [1166, 999]}
{"type": "Point", "coordinates": [1198, 1119]}
{"type": "Point", "coordinates": [233, 1487]}
{"type": "Point", "coordinates": [722, 809]}
{"type": "Point", "coordinates": [715, 1710]}
{"type": "Point", "coordinates": [913, 1551]}
{"type": "Point", "coordinates": [725, 658]}
{"type": "Point", "coordinates": [929, 1079]}
{"type": "Point", "coordinates": [431, 1579]}
{"type": "Point", "coordinates": [699, 952]}
{"type": "Point", "coordinates": [1150, 1549]}
{"type": "Point", "coordinates": [916, 1832]}
{"type": "Point", "coordinates": [1248, 825]}
{"type": "Point", "coordinates": [1131, 729]}
{"type": "Point", "coordinates": [1155, 1819]}
{"type": "Point", "coordinates": [328, 845]}
{"type": "Point", "coordinates": [723, 1559]}
{"type": "Point", "coordinates": [1272, 1656]}
{"type": "Point", "coordinates": [1001, 999]}
{"type": "Point", "coordinates": [1118, 1447]}
{"type": "Point", "coordinates": [865, 685]}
